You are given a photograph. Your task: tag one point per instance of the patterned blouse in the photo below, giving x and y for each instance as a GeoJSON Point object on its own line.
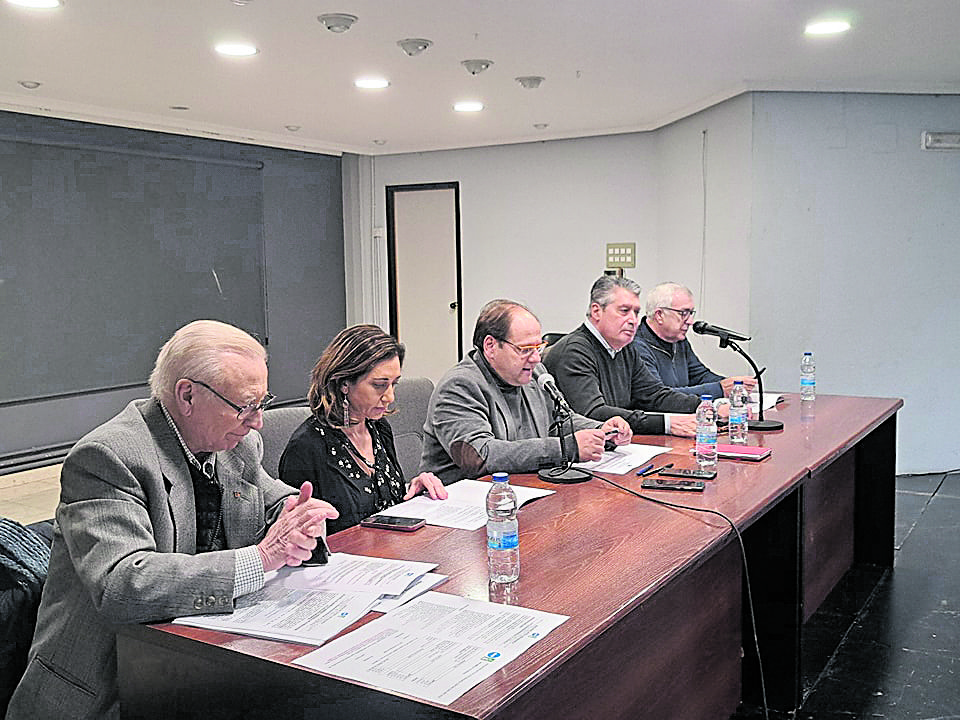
{"type": "Point", "coordinates": [322, 454]}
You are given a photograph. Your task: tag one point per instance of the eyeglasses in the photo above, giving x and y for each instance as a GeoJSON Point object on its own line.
{"type": "Point", "coordinates": [684, 314]}
{"type": "Point", "coordinates": [243, 411]}
{"type": "Point", "coordinates": [526, 351]}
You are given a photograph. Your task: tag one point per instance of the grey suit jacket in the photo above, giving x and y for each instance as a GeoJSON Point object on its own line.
{"type": "Point", "coordinates": [124, 552]}
{"type": "Point", "coordinates": [471, 429]}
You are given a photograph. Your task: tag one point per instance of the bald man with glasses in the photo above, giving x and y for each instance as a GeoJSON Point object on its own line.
{"type": "Point", "coordinates": [663, 345]}
{"type": "Point", "coordinates": [486, 415]}
{"type": "Point", "coordinates": [164, 511]}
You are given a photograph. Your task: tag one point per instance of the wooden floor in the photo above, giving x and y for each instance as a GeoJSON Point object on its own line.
{"type": "Point", "coordinates": [31, 495]}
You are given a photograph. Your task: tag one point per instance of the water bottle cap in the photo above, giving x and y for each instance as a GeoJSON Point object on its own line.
{"type": "Point", "coordinates": [706, 397]}
{"type": "Point", "coordinates": [738, 382]}
{"type": "Point", "coordinates": [808, 353]}
{"type": "Point", "coordinates": [501, 477]}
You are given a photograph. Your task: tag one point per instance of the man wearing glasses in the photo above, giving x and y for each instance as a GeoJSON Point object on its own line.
{"type": "Point", "coordinates": [486, 415]}
{"type": "Point", "coordinates": [663, 345]}
{"type": "Point", "coordinates": [164, 511]}
{"type": "Point", "coordinates": [601, 373]}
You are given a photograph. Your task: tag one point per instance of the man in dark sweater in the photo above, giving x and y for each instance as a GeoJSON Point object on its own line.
{"type": "Point", "coordinates": [601, 373]}
{"type": "Point", "coordinates": [663, 345]}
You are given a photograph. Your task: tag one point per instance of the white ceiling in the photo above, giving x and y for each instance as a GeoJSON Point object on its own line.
{"type": "Point", "coordinates": [610, 65]}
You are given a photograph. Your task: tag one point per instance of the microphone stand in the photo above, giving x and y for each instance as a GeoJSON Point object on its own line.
{"type": "Point", "coordinates": [760, 425]}
{"type": "Point", "coordinates": [564, 474]}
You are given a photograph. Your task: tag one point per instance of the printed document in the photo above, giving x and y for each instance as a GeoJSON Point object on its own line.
{"type": "Point", "coordinates": [282, 613]}
{"type": "Point", "coordinates": [624, 458]}
{"type": "Point", "coordinates": [435, 647]}
{"type": "Point", "coordinates": [354, 573]}
{"type": "Point", "coordinates": [465, 507]}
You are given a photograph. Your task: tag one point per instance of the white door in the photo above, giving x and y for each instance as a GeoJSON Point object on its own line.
{"type": "Point", "coordinates": [423, 253]}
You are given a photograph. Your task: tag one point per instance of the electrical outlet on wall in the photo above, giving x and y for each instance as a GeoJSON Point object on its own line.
{"type": "Point", "coordinates": [621, 255]}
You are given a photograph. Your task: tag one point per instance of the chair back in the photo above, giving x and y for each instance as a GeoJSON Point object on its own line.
{"type": "Point", "coordinates": [24, 558]}
{"type": "Point", "coordinates": [278, 426]}
{"type": "Point", "coordinates": [412, 397]}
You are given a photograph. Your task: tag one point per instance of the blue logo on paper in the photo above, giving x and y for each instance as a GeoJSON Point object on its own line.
{"type": "Point", "coordinates": [493, 655]}
{"type": "Point", "coordinates": [344, 614]}
{"type": "Point", "coordinates": [534, 634]}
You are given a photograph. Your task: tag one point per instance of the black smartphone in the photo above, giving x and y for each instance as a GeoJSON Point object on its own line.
{"type": "Point", "coordinates": [689, 473]}
{"type": "Point", "coordinates": [392, 522]}
{"type": "Point", "coordinates": [655, 483]}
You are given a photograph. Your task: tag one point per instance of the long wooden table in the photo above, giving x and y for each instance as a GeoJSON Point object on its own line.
{"type": "Point", "coordinates": [653, 593]}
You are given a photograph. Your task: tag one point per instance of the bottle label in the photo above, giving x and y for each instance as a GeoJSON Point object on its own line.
{"type": "Point", "coordinates": [706, 437]}
{"type": "Point", "coordinates": [505, 541]}
{"type": "Point", "coordinates": [807, 381]}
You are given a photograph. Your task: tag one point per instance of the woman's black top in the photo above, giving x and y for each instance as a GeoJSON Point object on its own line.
{"type": "Point", "coordinates": [321, 454]}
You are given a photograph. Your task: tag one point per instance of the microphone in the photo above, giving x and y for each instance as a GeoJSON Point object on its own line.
{"type": "Point", "coordinates": [702, 328]}
{"type": "Point", "coordinates": [549, 385]}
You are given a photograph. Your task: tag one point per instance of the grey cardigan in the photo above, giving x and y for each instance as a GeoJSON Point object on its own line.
{"type": "Point", "coordinates": [124, 552]}
{"type": "Point", "coordinates": [472, 429]}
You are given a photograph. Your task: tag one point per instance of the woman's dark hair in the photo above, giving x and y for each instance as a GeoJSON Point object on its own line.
{"type": "Point", "coordinates": [349, 356]}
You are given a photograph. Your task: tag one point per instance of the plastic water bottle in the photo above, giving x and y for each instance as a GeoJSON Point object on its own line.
{"type": "Point", "coordinates": [503, 538]}
{"type": "Point", "coordinates": [739, 404]}
{"type": "Point", "coordinates": [808, 377]}
{"type": "Point", "coordinates": [706, 434]}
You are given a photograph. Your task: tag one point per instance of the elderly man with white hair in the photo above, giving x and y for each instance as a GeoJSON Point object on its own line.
{"type": "Point", "coordinates": [663, 345]}
{"type": "Point", "coordinates": [164, 511]}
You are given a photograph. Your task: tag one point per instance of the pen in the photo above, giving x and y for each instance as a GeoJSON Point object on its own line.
{"type": "Point", "coordinates": [611, 433]}
{"type": "Point", "coordinates": [651, 471]}
{"type": "Point", "coordinates": [643, 470]}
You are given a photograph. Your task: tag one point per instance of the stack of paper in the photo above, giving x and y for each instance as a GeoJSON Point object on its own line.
{"type": "Point", "coordinates": [465, 507]}
{"type": "Point", "coordinates": [312, 604]}
{"type": "Point", "coordinates": [435, 648]}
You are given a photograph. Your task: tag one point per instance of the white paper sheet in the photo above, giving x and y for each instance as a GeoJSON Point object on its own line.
{"type": "Point", "coordinates": [624, 458]}
{"type": "Point", "coordinates": [465, 507]}
{"type": "Point", "coordinates": [435, 647]}
{"type": "Point", "coordinates": [353, 573]}
{"type": "Point", "coordinates": [283, 613]}
{"type": "Point", "coordinates": [769, 400]}
{"type": "Point", "coordinates": [388, 603]}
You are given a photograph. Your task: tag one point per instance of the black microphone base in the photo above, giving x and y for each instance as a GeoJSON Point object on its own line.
{"type": "Point", "coordinates": [563, 476]}
{"type": "Point", "coordinates": [765, 425]}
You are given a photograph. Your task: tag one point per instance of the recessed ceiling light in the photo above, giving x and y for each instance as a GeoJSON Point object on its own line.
{"type": "Point", "coordinates": [292, 128]}
{"type": "Point", "coordinates": [379, 142]}
{"type": "Point", "coordinates": [37, 4]}
{"type": "Point", "coordinates": [232, 49]}
{"type": "Point", "coordinates": [29, 84]}
{"type": "Point", "coordinates": [826, 27]}
{"type": "Point", "coordinates": [371, 83]}
{"type": "Point", "coordinates": [468, 106]}
{"type": "Point", "coordinates": [179, 107]}
{"type": "Point", "coordinates": [541, 126]}
{"type": "Point", "coordinates": [530, 82]}
{"type": "Point", "coordinates": [414, 46]}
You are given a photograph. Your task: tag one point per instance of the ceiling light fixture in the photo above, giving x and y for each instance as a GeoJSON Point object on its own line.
{"type": "Point", "coordinates": [414, 46]}
{"type": "Point", "coordinates": [826, 27]}
{"type": "Point", "coordinates": [292, 128]}
{"type": "Point", "coordinates": [541, 126]}
{"type": "Point", "coordinates": [37, 4]}
{"type": "Point", "coordinates": [337, 22]}
{"type": "Point", "coordinates": [29, 84]}
{"type": "Point", "coordinates": [179, 107]}
{"type": "Point", "coordinates": [379, 142]}
{"type": "Point", "coordinates": [232, 49]}
{"type": "Point", "coordinates": [475, 67]}
{"type": "Point", "coordinates": [530, 82]}
{"type": "Point", "coordinates": [468, 106]}
{"type": "Point", "coordinates": [371, 83]}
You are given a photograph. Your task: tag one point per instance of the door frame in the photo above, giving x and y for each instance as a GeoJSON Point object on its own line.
{"type": "Point", "coordinates": [391, 191]}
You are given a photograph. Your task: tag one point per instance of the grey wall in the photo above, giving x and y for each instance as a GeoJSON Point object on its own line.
{"type": "Point", "coordinates": [300, 266]}
{"type": "Point", "coordinates": [854, 253]}
{"type": "Point", "coordinates": [838, 178]}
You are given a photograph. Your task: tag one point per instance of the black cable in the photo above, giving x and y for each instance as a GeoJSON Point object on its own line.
{"type": "Point", "coordinates": [746, 573]}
